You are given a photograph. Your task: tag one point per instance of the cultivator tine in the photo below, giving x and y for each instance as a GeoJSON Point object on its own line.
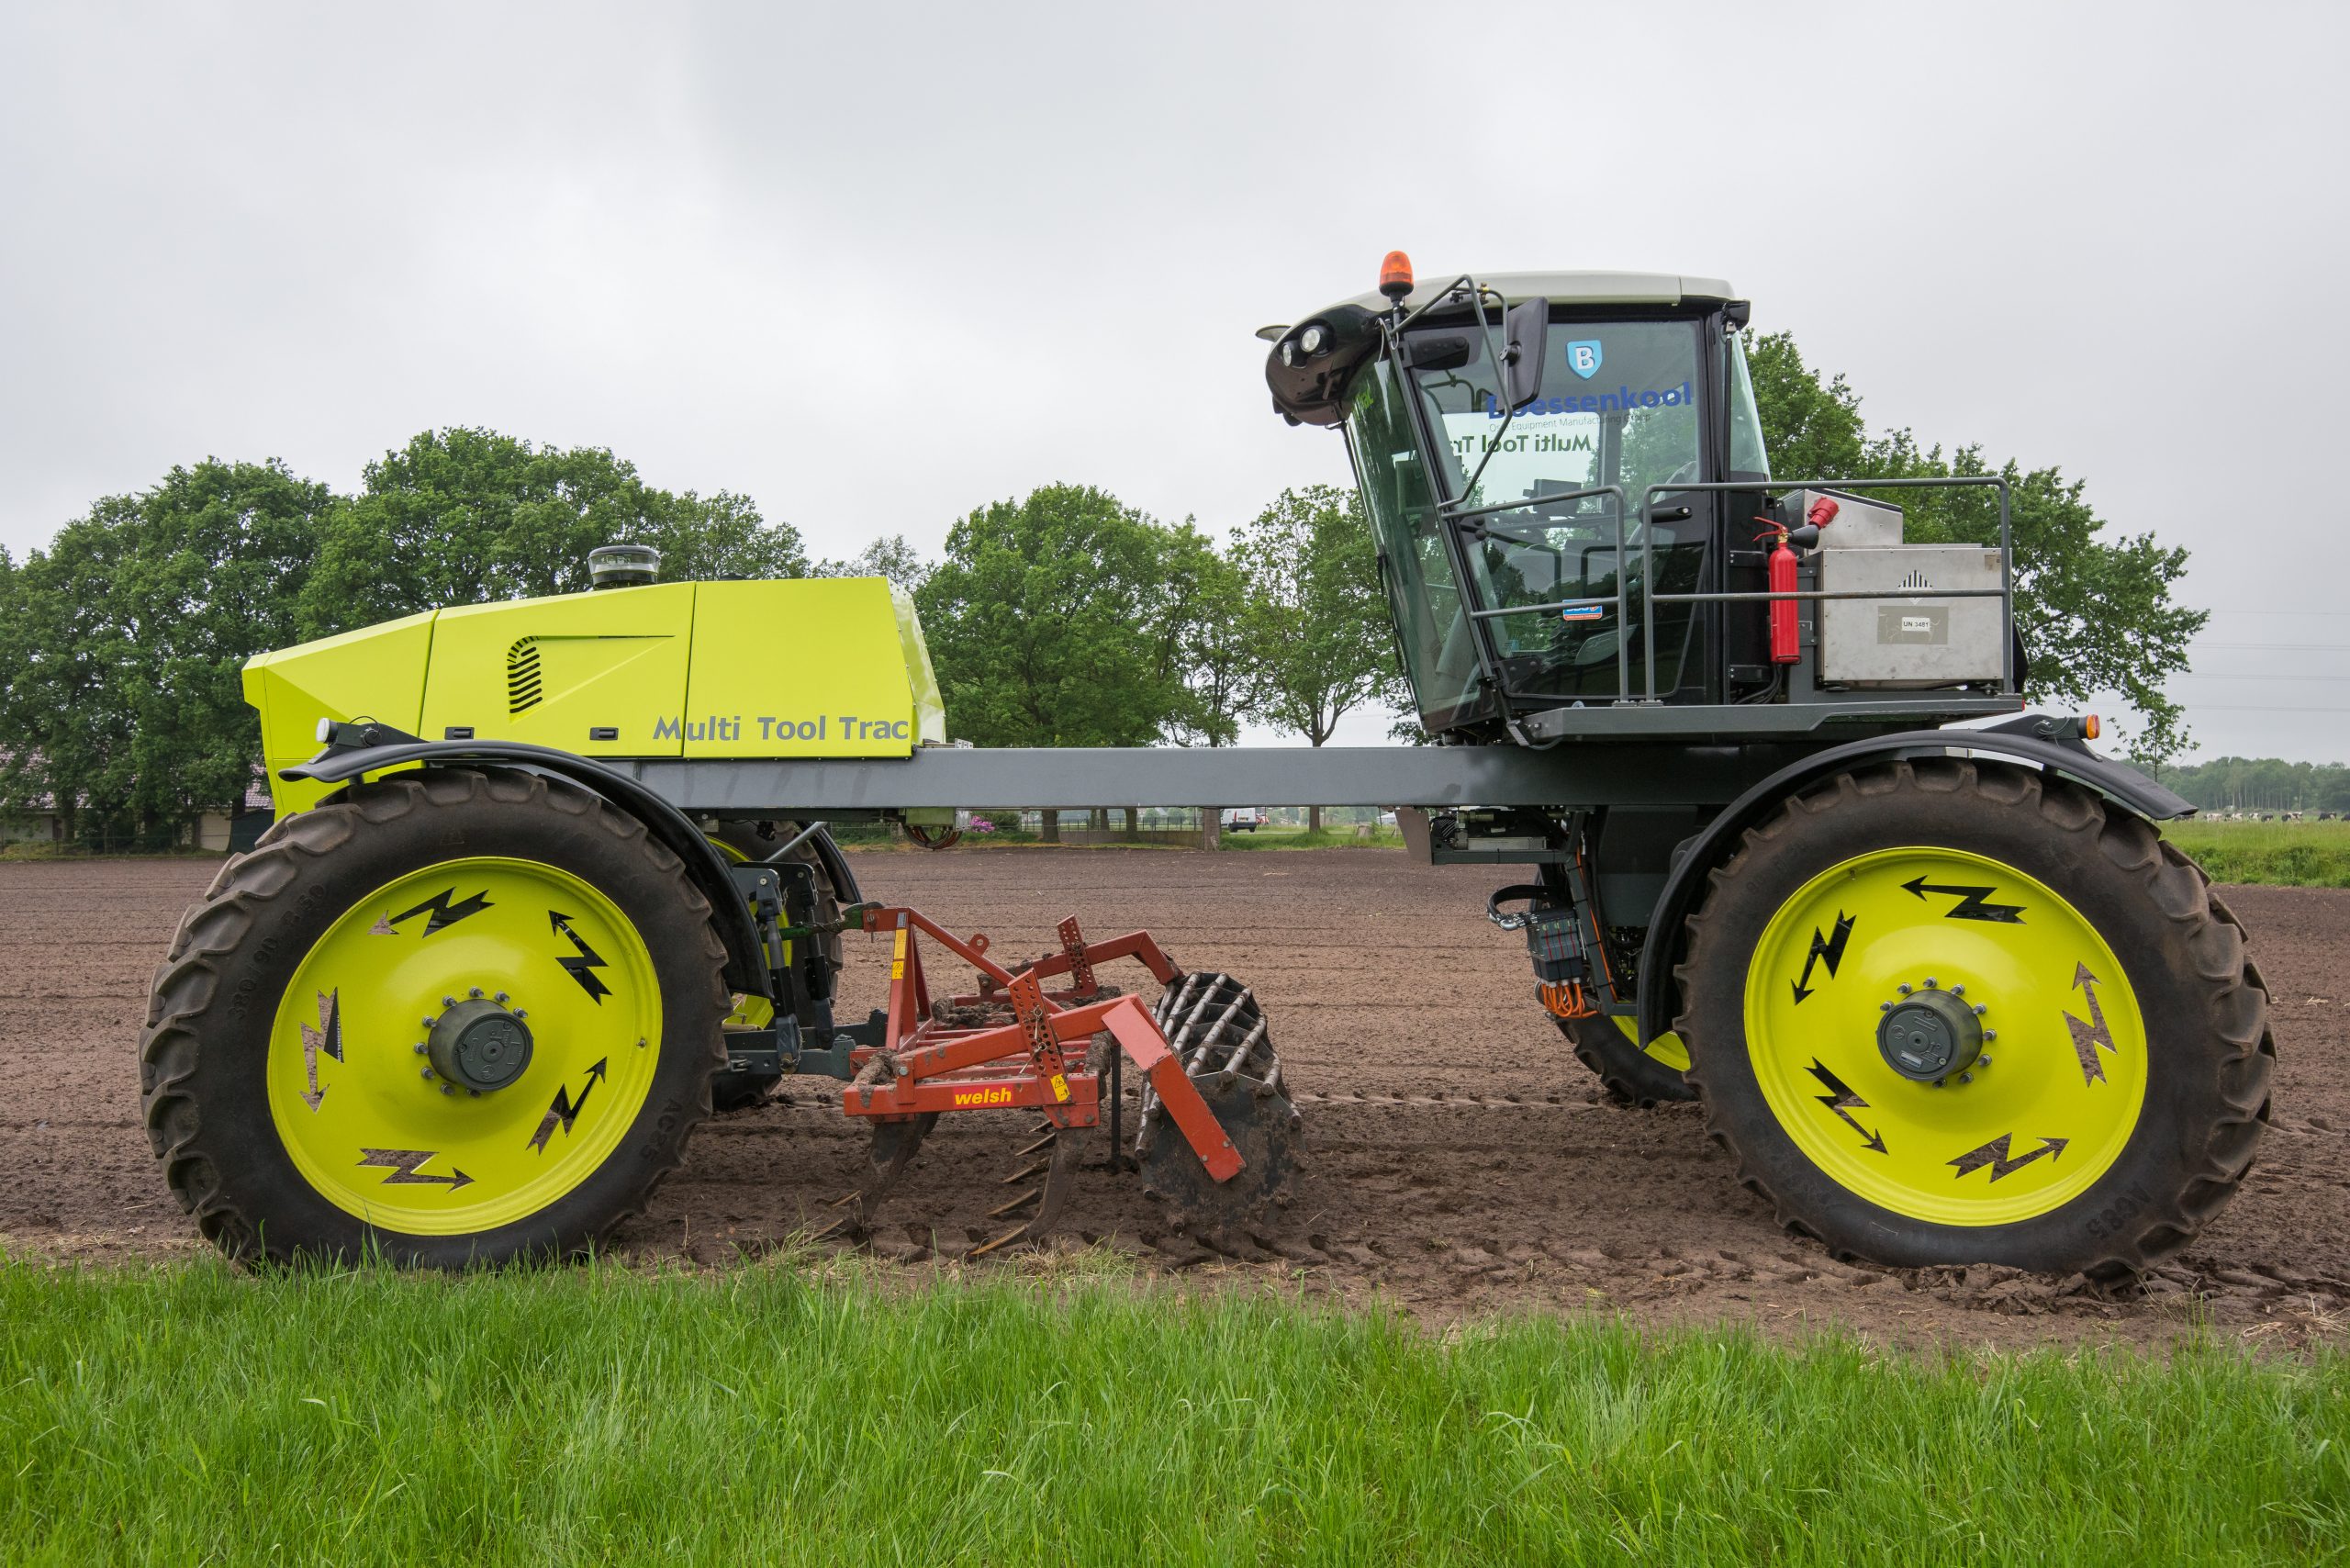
{"type": "Point", "coordinates": [1034, 1168]}
{"type": "Point", "coordinates": [1026, 1150]}
{"type": "Point", "coordinates": [1050, 1197]}
{"type": "Point", "coordinates": [891, 1150]}
{"type": "Point", "coordinates": [1017, 1233]}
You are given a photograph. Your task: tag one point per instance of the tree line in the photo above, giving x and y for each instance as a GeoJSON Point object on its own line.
{"type": "Point", "coordinates": [2261, 783]}
{"type": "Point", "coordinates": [1062, 618]}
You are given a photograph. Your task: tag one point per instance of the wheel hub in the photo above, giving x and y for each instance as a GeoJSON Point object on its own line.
{"type": "Point", "coordinates": [1930, 1034]}
{"type": "Point", "coordinates": [478, 1045]}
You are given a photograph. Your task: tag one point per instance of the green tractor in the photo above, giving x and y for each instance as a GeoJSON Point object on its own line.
{"type": "Point", "coordinates": [551, 881]}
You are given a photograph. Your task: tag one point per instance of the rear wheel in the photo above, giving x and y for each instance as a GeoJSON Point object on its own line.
{"type": "Point", "coordinates": [453, 1018]}
{"type": "Point", "coordinates": [1606, 1045]}
{"type": "Point", "coordinates": [1946, 1012]}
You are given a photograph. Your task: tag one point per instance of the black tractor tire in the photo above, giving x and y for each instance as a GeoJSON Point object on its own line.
{"type": "Point", "coordinates": [203, 1055]}
{"type": "Point", "coordinates": [2210, 1057]}
{"type": "Point", "coordinates": [1631, 1075]}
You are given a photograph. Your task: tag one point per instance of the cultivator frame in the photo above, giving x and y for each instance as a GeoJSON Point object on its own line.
{"type": "Point", "coordinates": [1014, 1044]}
{"type": "Point", "coordinates": [940, 1065]}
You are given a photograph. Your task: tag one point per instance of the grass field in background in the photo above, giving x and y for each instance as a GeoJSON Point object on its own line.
{"type": "Point", "coordinates": [591, 1415]}
{"type": "Point", "coordinates": [1300, 838]}
{"type": "Point", "coordinates": [2300, 854]}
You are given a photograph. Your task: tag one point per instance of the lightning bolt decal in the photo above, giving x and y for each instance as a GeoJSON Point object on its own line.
{"type": "Point", "coordinates": [1994, 1155]}
{"type": "Point", "coordinates": [1831, 948]}
{"type": "Point", "coordinates": [327, 1037]}
{"type": "Point", "coordinates": [581, 967]}
{"type": "Point", "coordinates": [565, 1110]}
{"type": "Point", "coordinates": [402, 1163]}
{"type": "Point", "coordinates": [1972, 904]}
{"type": "Point", "coordinates": [1840, 1099]}
{"type": "Point", "coordinates": [2089, 1036]}
{"type": "Point", "coordinates": [439, 913]}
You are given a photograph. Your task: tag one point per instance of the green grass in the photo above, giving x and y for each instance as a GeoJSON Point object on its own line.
{"type": "Point", "coordinates": [187, 1414]}
{"type": "Point", "coordinates": [1301, 838]}
{"type": "Point", "coordinates": [2299, 855]}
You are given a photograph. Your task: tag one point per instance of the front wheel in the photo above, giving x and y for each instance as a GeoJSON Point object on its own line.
{"type": "Point", "coordinates": [451, 1018]}
{"type": "Point", "coordinates": [1952, 1012]}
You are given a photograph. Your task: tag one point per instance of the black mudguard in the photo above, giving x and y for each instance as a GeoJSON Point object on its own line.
{"type": "Point", "coordinates": [746, 970]}
{"type": "Point", "coordinates": [2026, 740]}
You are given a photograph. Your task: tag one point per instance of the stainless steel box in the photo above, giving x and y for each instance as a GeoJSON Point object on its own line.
{"type": "Point", "coordinates": [1917, 639]}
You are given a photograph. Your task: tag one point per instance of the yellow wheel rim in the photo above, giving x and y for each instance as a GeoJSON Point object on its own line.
{"type": "Point", "coordinates": [2061, 1033]}
{"type": "Point", "coordinates": [1666, 1047]}
{"type": "Point", "coordinates": [374, 1129]}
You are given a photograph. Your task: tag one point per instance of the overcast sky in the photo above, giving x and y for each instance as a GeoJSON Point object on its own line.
{"type": "Point", "coordinates": [876, 264]}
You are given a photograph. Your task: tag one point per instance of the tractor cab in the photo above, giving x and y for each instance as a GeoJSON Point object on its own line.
{"type": "Point", "coordinates": [1566, 480]}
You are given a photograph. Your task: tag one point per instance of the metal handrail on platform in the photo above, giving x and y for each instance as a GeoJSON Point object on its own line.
{"type": "Point", "coordinates": [1649, 599]}
{"type": "Point", "coordinates": [2004, 592]}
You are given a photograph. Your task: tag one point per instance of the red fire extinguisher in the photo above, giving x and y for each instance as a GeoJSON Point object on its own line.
{"type": "Point", "coordinates": [1785, 620]}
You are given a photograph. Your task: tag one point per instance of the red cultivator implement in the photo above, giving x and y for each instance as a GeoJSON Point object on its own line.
{"type": "Point", "coordinates": [1215, 1130]}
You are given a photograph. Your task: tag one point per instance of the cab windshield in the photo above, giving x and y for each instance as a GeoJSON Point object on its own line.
{"type": "Point", "coordinates": [1619, 405]}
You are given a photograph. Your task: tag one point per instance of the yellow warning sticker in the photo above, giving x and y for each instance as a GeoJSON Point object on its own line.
{"type": "Point", "coordinates": [897, 968]}
{"type": "Point", "coordinates": [1060, 1087]}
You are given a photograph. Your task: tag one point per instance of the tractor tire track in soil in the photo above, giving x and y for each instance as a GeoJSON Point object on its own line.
{"type": "Point", "coordinates": [1460, 1161]}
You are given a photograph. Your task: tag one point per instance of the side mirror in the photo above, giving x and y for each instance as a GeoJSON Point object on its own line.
{"type": "Point", "coordinates": [1526, 330]}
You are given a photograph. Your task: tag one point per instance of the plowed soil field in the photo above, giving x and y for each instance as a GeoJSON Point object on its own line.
{"type": "Point", "coordinates": [1461, 1162]}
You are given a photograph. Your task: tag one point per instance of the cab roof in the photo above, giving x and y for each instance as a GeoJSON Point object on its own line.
{"type": "Point", "coordinates": [1569, 288]}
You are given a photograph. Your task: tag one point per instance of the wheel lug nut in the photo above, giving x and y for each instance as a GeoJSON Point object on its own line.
{"type": "Point", "coordinates": [429, 1022]}
{"type": "Point", "coordinates": [1903, 988]}
{"type": "Point", "coordinates": [475, 1093]}
{"type": "Point", "coordinates": [427, 1075]}
{"type": "Point", "coordinates": [1966, 1078]}
{"type": "Point", "coordinates": [474, 993]}
{"type": "Point", "coordinates": [1930, 982]}
{"type": "Point", "coordinates": [1954, 990]}
{"type": "Point", "coordinates": [520, 1013]}
{"type": "Point", "coordinates": [1885, 1007]}
{"type": "Point", "coordinates": [1990, 1034]}
{"type": "Point", "coordinates": [1980, 1010]}
{"type": "Point", "coordinates": [417, 1048]}
{"type": "Point", "coordinates": [448, 1002]}
{"type": "Point", "coordinates": [448, 1089]}
{"type": "Point", "coordinates": [1982, 1061]}
{"type": "Point", "coordinates": [499, 999]}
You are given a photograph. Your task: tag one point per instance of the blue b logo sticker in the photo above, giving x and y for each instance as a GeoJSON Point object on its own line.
{"type": "Point", "coordinates": [1583, 357]}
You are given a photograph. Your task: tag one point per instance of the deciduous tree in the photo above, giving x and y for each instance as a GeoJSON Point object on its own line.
{"type": "Point", "coordinates": [123, 702]}
{"type": "Point", "coordinates": [465, 516]}
{"type": "Point", "coordinates": [1316, 620]}
{"type": "Point", "coordinates": [891, 557]}
{"type": "Point", "coordinates": [1051, 621]}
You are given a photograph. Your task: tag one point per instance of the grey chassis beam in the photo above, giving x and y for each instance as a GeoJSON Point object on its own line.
{"type": "Point", "coordinates": [1607, 775]}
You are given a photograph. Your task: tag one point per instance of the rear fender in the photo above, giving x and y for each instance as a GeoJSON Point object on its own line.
{"type": "Point", "coordinates": [746, 970]}
{"type": "Point", "coordinates": [2025, 741]}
